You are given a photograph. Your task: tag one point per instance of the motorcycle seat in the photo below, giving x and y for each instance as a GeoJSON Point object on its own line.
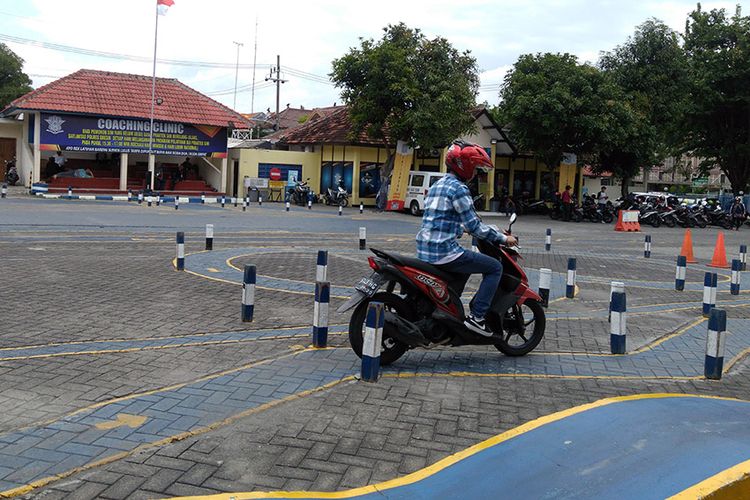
{"type": "Point", "coordinates": [419, 264]}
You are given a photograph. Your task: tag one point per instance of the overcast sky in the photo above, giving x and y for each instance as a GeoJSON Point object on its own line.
{"type": "Point", "coordinates": [308, 35]}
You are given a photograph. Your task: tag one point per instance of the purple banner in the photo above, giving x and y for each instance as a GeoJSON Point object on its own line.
{"type": "Point", "coordinates": [130, 135]}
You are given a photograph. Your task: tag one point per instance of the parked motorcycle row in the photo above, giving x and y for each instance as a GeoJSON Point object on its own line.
{"type": "Point", "coordinates": [11, 173]}
{"type": "Point", "coordinates": [657, 211]}
{"type": "Point", "coordinates": [301, 194]}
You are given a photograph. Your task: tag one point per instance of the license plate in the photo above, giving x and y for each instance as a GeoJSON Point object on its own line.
{"type": "Point", "coordinates": [367, 286]}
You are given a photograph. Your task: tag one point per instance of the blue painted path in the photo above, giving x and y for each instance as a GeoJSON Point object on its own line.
{"type": "Point", "coordinates": [73, 441]}
{"type": "Point", "coordinates": [119, 345]}
{"type": "Point", "coordinates": [635, 448]}
{"type": "Point", "coordinates": [199, 263]}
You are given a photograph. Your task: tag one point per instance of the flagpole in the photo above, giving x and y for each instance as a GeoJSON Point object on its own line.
{"type": "Point", "coordinates": [151, 160]}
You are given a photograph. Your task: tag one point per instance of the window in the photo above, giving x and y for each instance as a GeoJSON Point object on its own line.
{"type": "Point", "coordinates": [434, 179]}
{"type": "Point", "coordinates": [417, 180]}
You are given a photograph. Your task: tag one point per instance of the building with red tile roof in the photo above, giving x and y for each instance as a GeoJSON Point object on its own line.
{"type": "Point", "coordinates": [92, 114]}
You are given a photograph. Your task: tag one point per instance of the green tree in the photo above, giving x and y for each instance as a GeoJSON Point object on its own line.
{"type": "Point", "coordinates": [408, 87]}
{"type": "Point", "coordinates": [651, 72]}
{"type": "Point", "coordinates": [718, 117]}
{"type": "Point", "coordinates": [13, 81]}
{"type": "Point", "coordinates": [554, 105]}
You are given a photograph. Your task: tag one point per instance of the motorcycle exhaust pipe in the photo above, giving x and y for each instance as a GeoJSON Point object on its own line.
{"type": "Point", "coordinates": [404, 330]}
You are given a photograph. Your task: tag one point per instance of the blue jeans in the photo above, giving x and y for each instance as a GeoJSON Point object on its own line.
{"type": "Point", "coordinates": [475, 263]}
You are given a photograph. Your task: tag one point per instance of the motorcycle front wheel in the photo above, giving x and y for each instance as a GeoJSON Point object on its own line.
{"type": "Point", "coordinates": [522, 328]}
{"type": "Point", "coordinates": [655, 221]}
{"type": "Point", "coordinates": [343, 202]}
{"type": "Point", "coordinates": [390, 348]}
{"type": "Point", "coordinates": [607, 217]}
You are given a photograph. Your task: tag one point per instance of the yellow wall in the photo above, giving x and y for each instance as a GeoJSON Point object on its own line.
{"type": "Point", "coordinates": [250, 158]}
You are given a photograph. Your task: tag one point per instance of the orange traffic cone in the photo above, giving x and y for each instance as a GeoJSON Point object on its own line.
{"type": "Point", "coordinates": [687, 248]}
{"type": "Point", "coordinates": [720, 254]}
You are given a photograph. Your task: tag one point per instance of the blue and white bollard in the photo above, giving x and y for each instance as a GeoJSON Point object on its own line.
{"type": "Point", "coordinates": [235, 202]}
{"type": "Point", "coordinates": [709, 293]}
{"type": "Point", "coordinates": [209, 236]}
{"type": "Point", "coordinates": [320, 314]}
{"type": "Point", "coordinates": [148, 200]}
{"type": "Point", "coordinates": [140, 197]}
{"type": "Point", "coordinates": [717, 325]}
{"type": "Point", "coordinates": [743, 257]}
{"type": "Point", "coordinates": [260, 201]}
{"type": "Point", "coordinates": [618, 328]}
{"type": "Point", "coordinates": [679, 278]}
{"type": "Point", "coordinates": [176, 202]}
{"type": "Point", "coordinates": [244, 204]}
{"type": "Point", "coordinates": [371, 346]}
{"type": "Point", "coordinates": [570, 288]}
{"type": "Point", "coordinates": [321, 270]}
{"type": "Point", "coordinates": [361, 208]}
{"type": "Point", "coordinates": [4, 191]}
{"type": "Point", "coordinates": [287, 206]}
{"type": "Point", "coordinates": [203, 198]}
{"type": "Point", "coordinates": [223, 201]}
{"type": "Point", "coordinates": [545, 281]}
{"type": "Point", "coordinates": [734, 287]}
{"type": "Point", "coordinates": [309, 204]}
{"type": "Point", "coordinates": [362, 238]}
{"type": "Point", "coordinates": [180, 251]}
{"type": "Point", "coordinates": [647, 247]}
{"type": "Point", "coordinates": [158, 200]}
{"type": "Point", "coordinates": [130, 195]}
{"type": "Point", "coordinates": [70, 192]}
{"type": "Point", "coordinates": [548, 240]}
{"type": "Point", "coordinates": [341, 210]}
{"type": "Point", "coordinates": [248, 293]}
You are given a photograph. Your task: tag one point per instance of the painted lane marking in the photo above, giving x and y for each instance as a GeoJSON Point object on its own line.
{"type": "Point", "coordinates": [122, 420]}
{"type": "Point", "coordinates": [578, 453]}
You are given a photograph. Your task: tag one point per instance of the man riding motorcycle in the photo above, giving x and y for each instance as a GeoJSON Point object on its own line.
{"type": "Point", "coordinates": [449, 211]}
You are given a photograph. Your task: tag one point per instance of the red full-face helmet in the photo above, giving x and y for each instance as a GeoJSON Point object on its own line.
{"type": "Point", "coordinates": [463, 158]}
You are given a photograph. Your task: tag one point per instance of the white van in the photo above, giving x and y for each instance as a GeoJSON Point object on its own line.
{"type": "Point", "coordinates": [419, 184]}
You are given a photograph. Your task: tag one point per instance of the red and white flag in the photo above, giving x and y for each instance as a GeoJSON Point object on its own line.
{"type": "Point", "coordinates": [163, 5]}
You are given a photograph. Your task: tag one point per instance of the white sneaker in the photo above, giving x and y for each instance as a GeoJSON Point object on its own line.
{"type": "Point", "coordinates": [477, 325]}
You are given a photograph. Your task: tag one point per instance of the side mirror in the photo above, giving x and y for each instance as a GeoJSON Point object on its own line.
{"type": "Point", "coordinates": [512, 219]}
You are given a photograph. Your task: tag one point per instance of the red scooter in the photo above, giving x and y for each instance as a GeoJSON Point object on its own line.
{"type": "Point", "coordinates": [427, 310]}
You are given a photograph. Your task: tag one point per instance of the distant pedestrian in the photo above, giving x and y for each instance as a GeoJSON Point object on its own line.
{"type": "Point", "coordinates": [60, 160]}
{"type": "Point", "coordinates": [602, 197]}
{"type": "Point", "coordinates": [567, 201]}
{"type": "Point", "coordinates": [738, 213]}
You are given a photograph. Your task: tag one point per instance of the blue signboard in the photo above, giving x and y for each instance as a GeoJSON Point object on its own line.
{"type": "Point", "coordinates": [130, 135]}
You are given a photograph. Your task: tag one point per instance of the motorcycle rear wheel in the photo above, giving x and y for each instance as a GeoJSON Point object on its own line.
{"type": "Point", "coordinates": [669, 221]}
{"type": "Point", "coordinates": [516, 324]}
{"type": "Point", "coordinates": [343, 202]}
{"type": "Point", "coordinates": [391, 349]}
{"type": "Point", "coordinates": [655, 221]}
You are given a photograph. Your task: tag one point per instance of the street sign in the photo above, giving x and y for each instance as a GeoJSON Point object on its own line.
{"type": "Point", "coordinates": [700, 182]}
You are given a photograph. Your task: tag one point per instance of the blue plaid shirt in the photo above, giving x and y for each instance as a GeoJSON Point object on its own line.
{"type": "Point", "coordinates": [447, 207]}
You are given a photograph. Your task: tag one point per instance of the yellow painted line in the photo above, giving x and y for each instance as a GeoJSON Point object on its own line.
{"type": "Point", "coordinates": [735, 480]}
{"type": "Point", "coordinates": [679, 332]}
{"type": "Point", "coordinates": [212, 270]}
{"type": "Point", "coordinates": [21, 490]}
{"type": "Point", "coordinates": [156, 347]}
{"type": "Point", "coordinates": [170, 337]}
{"type": "Point", "coordinates": [450, 460]}
{"type": "Point", "coordinates": [122, 420]}
{"type": "Point", "coordinates": [539, 375]}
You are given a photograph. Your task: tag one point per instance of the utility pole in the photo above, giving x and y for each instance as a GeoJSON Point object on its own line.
{"type": "Point", "coordinates": [236, 72]}
{"type": "Point", "coordinates": [275, 76]}
{"type": "Point", "coordinates": [255, 58]}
